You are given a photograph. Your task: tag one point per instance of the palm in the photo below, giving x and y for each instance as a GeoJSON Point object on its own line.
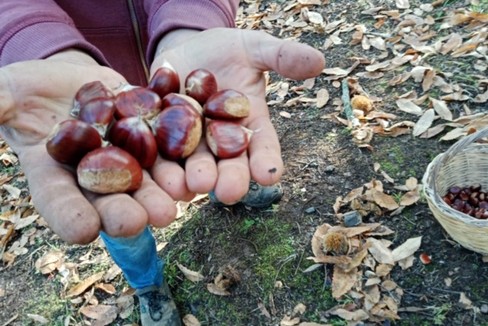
{"type": "Point", "coordinates": [238, 58]}
{"type": "Point", "coordinates": [36, 95]}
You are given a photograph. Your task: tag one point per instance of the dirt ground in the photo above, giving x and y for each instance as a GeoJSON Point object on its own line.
{"type": "Point", "coordinates": [268, 249]}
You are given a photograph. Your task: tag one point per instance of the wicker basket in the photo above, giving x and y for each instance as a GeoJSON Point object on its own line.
{"type": "Point", "coordinates": [463, 164]}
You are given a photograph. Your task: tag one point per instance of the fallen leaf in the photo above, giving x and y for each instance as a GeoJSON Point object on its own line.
{"type": "Point", "coordinates": [441, 109]}
{"type": "Point", "coordinates": [356, 315]}
{"type": "Point", "coordinates": [103, 314]}
{"type": "Point", "coordinates": [424, 122]}
{"type": "Point", "coordinates": [343, 281]}
{"type": "Point", "coordinates": [410, 198]}
{"type": "Point", "coordinates": [190, 320]}
{"type": "Point", "coordinates": [384, 200]}
{"type": "Point", "coordinates": [38, 319]}
{"type": "Point", "coordinates": [50, 262]}
{"type": "Point", "coordinates": [408, 106]}
{"type": "Point", "coordinates": [402, 4]}
{"type": "Point", "coordinates": [189, 274]}
{"type": "Point", "coordinates": [406, 249]}
{"type": "Point", "coordinates": [214, 289]}
{"type": "Point", "coordinates": [84, 285]}
{"type": "Point", "coordinates": [322, 97]}
{"type": "Point", "coordinates": [380, 252]}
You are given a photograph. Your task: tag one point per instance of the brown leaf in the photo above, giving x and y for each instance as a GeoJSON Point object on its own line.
{"type": "Point", "coordinates": [424, 122]}
{"type": "Point", "coordinates": [428, 79]}
{"type": "Point", "coordinates": [343, 281]}
{"type": "Point", "coordinates": [356, 315]}
{"type": "Point", "coordinates": [410, 198]}
{"type": "Point", "coordinates": [190, 320]}
{"type": "Point", "coordinates": [380, 252]}
{"type": "Point", "coordinates": [406, 249]}
{"type": "Point", "coordinates": [103, 314]}
{"type": "Point", "coordinates": [84, 285]}
{"type": "Point", "coordinates": [454, 41]}
{"type": "Point", "coordinates": [50, 262]}
{"type": "Point", "coordinates": [190, 275]}
{"type": "Point", "coordinates": [214, 289]}
{"type": "Point", "coordinates": [322, 97]}
{"type": "Point", "coordinates": [441, 109]}
{"type": "Point", "coordinates": [408, 106]}
{"type": "Point", "coordinates": [384, 200]}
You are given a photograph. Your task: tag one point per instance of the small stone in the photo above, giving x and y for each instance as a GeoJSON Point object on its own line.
{"type": "Point", "coordinates": [310, 210]}
{"type": "Point", "coordinates": [352, 218]}
{"type": "Point", "coordinates": [484, 308]}
{"type": "Point", "coordinates": [329, 168]}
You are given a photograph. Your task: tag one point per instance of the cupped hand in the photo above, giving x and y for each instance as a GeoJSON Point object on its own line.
{"type": "Point", "coordinates": [34, 96]}
{"type": "Point", "coordinates": [238, 58]}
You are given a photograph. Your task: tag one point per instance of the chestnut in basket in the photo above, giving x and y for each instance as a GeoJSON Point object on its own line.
{"type": "Point", "coordinates": [469, 200]}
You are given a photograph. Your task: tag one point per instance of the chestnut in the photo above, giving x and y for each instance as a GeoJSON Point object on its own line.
{"type": "Point", "coordinates": [135, 136]}
{"type": "Point", "coordinates": [99, 113]}
{"type": "Point", "coordinates": [88, 92]}
{"type": "Point", "coordinates": [177, 99]}
{"type": "Point", "coordinates": [164, 81]}
{"type": "Point", "coordinates": [227, 104]}
{"type": "Point", "coordinates": [109, 170]}
{"type": "Point", "coordinates": [70, 140]}
{"type": "Point", "coordinates": [178, 130]}
{"type": "Point", "coordinates": [227, 139]}
{"type": "Point", "coordinates": [137, 101]}
{"type": "Point", "coordinates": [200, 84]}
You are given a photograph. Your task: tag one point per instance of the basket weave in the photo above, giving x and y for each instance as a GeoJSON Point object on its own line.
{"type": "Point", "coordinates": [464, 164]}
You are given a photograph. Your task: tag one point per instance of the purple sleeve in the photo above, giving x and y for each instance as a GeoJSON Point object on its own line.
{"type": "Point", "coordinates": [35, 29]}
{"type": "Point", "coordinates": [167, 15]}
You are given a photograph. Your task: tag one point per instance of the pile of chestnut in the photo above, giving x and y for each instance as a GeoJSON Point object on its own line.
{"type": "Point", "coordinates": [469, 200]}
{"type": "Point", "coordinates": [112, 137]}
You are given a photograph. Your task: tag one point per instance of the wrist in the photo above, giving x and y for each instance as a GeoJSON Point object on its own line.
{"type": "Point", "coordinates": [174, 38]}
{"type": "Point", "coordinates": [73, 56]}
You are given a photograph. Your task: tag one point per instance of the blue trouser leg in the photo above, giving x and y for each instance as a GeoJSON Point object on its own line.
{"type": "Point", "coordinates": [137, 257]}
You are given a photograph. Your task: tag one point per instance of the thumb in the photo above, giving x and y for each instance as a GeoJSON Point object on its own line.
{"type": "Point", "coordinates": [288, 58]}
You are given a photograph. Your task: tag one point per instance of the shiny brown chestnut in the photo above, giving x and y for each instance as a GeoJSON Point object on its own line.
{"type": "Point", "coordinates": [227, 104]}
{"type": "Point", "coordinates": [178, 130]}
{"type": "Point", "coordinates": [70, 140]}
{"type": "Point", "coordinates": [164, 81]}
{"type": "Point", "coordinates": [109, 170]}
{"type": "Point", "coordinates": [227, 139]}
{"type": "Point", "coordinates": [88, 92]}
{"type": "Point", "coordinates": [135, 136]}
{"type": "Point", "coordinates": [99, 113]}
{"type": "Point", "coordinates": [200, 84]}
{"type": "Point", "coordinates": [137, 101]}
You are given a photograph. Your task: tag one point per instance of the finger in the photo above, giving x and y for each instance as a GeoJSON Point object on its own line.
{"type": "Point", "coordinates": [264, 149]}
{"type": "Point", "coordinates": [170, 176]}
{"type": "Point", "coordinates": [201, 170]}
{"type": "Point", "coordinates": [233, 179]}
{"type": "Point", "coordinates": [58, 199]}
{"type": "Point", "coordinates": [288, 58]}
{"type": "Point", "coordinates": [160, 207]}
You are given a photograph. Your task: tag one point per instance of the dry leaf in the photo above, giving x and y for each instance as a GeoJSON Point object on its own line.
{"type": "Point", "coordinates": [380, 252]}
{"type": "Point", "coordinates": [38, 319]}
{"type": "Point", "coordinates": [408, 248]}
{"type": "Point", "coordinates": [343, 281]}
{"type": "Point", "coordinates": [217, 290]}
{"type": "Point", "coordinates": [289, 321]}
{"type": "Point", "coordinates": [402, 4]}
{"type": "Point", "coordinates": [322, 97]}
{"type": "Point", "coordinates": [103, 314]}
{"type": "Point", "coordinates": [408, 106]}
{"type": "Point", "coordinates": [84, 285]}
{"type": "Point", "coordinates": [356, 315]}
{"type": "Point", "coordinates": [190, 275]}
{"type": "Point", "coordinates": [410, 198]}
{"type": "Point", "coordinates": [50, 262]}
{"type": "Point", "coordinates": [441, 109]}
{"type": "Point", "coordinates": [424, 122]}
{"type": "Point", "coordinates": [384, 200]}
{"type": "Point", "coordinates": [190, 320]}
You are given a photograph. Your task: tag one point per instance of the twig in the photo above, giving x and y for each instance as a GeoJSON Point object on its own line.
{"type": "Point", "coordinates": [11, 320]}
{"type": "Point", "coordinates": [346, 102]}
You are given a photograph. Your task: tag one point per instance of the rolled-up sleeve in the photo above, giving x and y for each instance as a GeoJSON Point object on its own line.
{"type": "Point", "coordinates": [35, 29]}
{"type": "Point", "coordinates": [167, 15]}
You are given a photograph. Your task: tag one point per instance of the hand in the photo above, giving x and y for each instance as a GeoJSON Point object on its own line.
{"type": "Point", "coordinates": [34, 96]}
{"type": "Point", "coordinates": [238, 58]}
